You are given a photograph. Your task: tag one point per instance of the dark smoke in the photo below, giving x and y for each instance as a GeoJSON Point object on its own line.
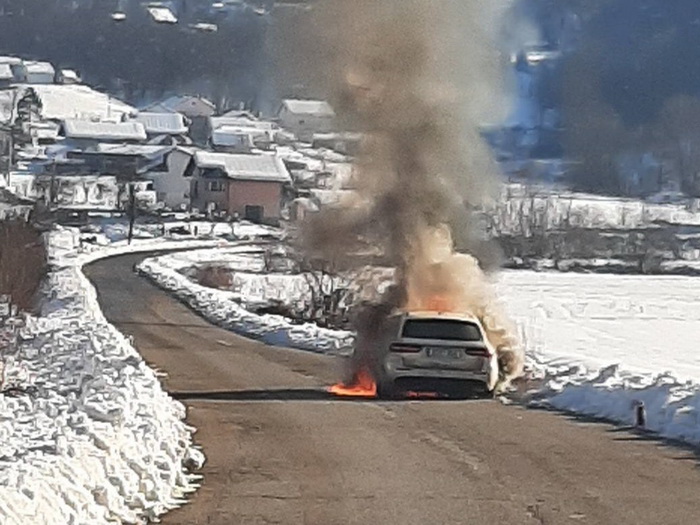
{"type": "Point", "coordinates": [417, 76]}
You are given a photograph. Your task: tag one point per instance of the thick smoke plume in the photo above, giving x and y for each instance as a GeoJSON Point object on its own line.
{"type": "Point", "coordinates": [417, 76]}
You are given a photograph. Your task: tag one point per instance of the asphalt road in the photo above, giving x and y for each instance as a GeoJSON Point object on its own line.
{"type": "Point", "coordinates": [279, 450]}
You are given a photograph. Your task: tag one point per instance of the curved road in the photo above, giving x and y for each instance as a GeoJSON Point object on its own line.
{"type": "Point", "coordinates": [280, 451]}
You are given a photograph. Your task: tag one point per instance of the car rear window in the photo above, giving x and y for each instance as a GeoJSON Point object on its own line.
{"type": "Point", "coordinates": [441, 329]}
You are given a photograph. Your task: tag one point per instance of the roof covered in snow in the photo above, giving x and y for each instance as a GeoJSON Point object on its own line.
{"type": "Point", "coordinates": [85, 129]}
{"type": "Point", "coordinates": [133, 150]}
{"type": "Point", "coordinates": [162, 14]}
{"type": "Point", "coordinates": [319, 108]}
{"type": "Point", "coordinates": [241, 122]}
{"type": "Point", "coordinates": [44, 68]}
{"type": "Point", "coordinates": [60, 102]}
{"type": "Point", "coordinates": [188, 105]}
{"type": "Point", "coordinates": [6, 72]}
{"type": "Point", "coordinates": [265, 168]}
{"type": "Point", "coordinates": [163, 123]}
{"type": "Point", "coordinates": [70, 74]}
{"type": "Point", "coordinates": [13, 61]}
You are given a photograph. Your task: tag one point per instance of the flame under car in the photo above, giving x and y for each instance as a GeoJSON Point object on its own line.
{"type": "Point", "coordinates": [445, 352]}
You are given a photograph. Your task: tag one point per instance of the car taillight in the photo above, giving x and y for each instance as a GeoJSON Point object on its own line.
{"type": "Point", "coordinates": [405, 349]}
{"type": "Point", "coordinates": [478, 352]}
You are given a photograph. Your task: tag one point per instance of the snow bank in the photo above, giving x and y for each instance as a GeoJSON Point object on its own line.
{"type": "Point", "coordinates": [224, 309]}
{"type": "Point", "coordinates": [672, 407]}
{"type": "Point", "coordinates": [95, 439]}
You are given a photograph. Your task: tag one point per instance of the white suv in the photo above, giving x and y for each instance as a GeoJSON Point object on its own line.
{"type": "Point", "coordinates": [434, 349]}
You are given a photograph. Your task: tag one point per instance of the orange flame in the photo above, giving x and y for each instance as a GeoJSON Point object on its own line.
{"type": "Point", "coordinates": [362, 385]}
{"type": "Point", "coordinates": [439, 303]}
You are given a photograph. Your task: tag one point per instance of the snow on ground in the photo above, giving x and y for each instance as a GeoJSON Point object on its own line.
{"type": "Point", "coordinates": [596, 344]}
{"type": "Point", "coordinates": [93, 438]}
{"type": "Point", "coordinates": [601, 344]}
{"type": "Point", "coordinates": [224, 307]}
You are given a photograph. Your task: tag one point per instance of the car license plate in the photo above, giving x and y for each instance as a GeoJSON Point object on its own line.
{"type": "Point", "coordinates": [444, 353]}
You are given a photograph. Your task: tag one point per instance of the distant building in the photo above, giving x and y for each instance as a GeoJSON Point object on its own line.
{"type": "Point", "coordinates": [239, 132]}
{"type": "Point", "coordinates": [250, 186]}
{"type": "Point", "coordinates": [6, 76]}
{"type": "Point", "coordinates": [68, 76]}
{"type": "Point", "coordinates": [61, 102]}
{"type": "Point", "coordinates": [83, 134]}
{"type": "Point", "coordinates": [126, 161]}
{"type": "Point", "coordinates": [196, 109]}
{"type": "Point", "coordinates": [164, 126]}
{"type": "Point", "coordinates": [172, 182]}
{"type": "Point", "coordinates": [39, 73]}
{"type": "Point", "coordinates": [304, 118]}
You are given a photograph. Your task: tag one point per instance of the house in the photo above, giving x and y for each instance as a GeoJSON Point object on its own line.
{"type": "Point", "coordinates": [304, 118]}
{"type": "Point", "coordinates": [16, 66]}
{"type": "Point", "coordinates": [231, 140]}
{"type": "Point", "coordinates": [164, 127]}
{"type": "Point", "coordinates": [125, 161]}
{"type": "Point", "coordinates": [249, 186]}
{"type": "Point", "coordinates": [172, 182]}
{"type": "Point", "coordinates": [189, 105]}
{"type": "Point", "coordinates": [196, 109]}
{"type": "Point", "coordinates": [39, 73]}
{"type": "Point", "coordinates": [68, 76]}
{"type": "Point", "coordinates": [66, 101]}
{"type": "Point", "coordinates": [7, 78]}
{"type": "Point", "coordinates": [161, 14]}
{"type": "Point", "coordinates": [83, 134]}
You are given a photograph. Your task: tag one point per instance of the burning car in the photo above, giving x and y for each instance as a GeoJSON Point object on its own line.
{"type": "Point", "coordinates": [440, 351]}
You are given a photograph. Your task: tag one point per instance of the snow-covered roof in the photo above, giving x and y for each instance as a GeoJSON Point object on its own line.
{"type": "Point", "coordinates": [232, 137]}
{"type": "Point", "coordinates": [241, 122]}
{"type": "Point", "coordinates": [13, 61]}
{"type": "Point", "coordinates": [181, 104]}
{"type": "Point", "coordinates": [66, 101]}
{"type": "Point", "coordinates": [266, 168]}
{"type": "Point", "coordinates": [163, 123]}
{"type": "Point", "coordinates": [36, 68]}
{"type": "Point", "coordinates": [162, 15]}
{"type": "Point", "coordinates": [319, 108]}
{"type": "Point", "coordinates": [85, 129]}
{"type": "Point", "coordinates": [6, 72]}
{"type": "Point", "coordinates": [69, 74]}
{"type": "Point", "coordinates": [129, 150]}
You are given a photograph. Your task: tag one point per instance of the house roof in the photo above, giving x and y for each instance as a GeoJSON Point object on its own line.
{"type": "Point", "coordinates": [162, 14]}
{"type": "Point", "coordinates": [133, 150]}
{"type": "Point", "coordinates": [6, 72]}
{"type": "Point", "coordinates": [85, 129]}
{"type": "Point", "coordinates": [70, 101]}
{"type": "Point", "coordinates": [181, 104]}
{"type": "Point", "coordinates": [70, 74]}
{"type": "Point", "coordinates": [13, 61]}
{"type": "Point", "coordinates": [319, 108]}
{"type": "Point", "coordinates": [266, 168]}
{"type": "Point", "coordinates": [231, 137]}
{"type": "Point", "coordinates": [241, 122]}
{"type": "Point", "coordinates": [163, 123]}
{"type": "Point", "coordinates": [39, 68]}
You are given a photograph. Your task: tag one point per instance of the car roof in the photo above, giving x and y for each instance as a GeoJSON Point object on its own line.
{"type": "Point", "coordinates": [434, 314]}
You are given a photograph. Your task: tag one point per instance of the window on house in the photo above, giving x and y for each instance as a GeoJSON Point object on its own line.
{"type": "Point", "coordinates": [216, 185]}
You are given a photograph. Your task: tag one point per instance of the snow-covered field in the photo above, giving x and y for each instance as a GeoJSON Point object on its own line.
{"type": "Point", "coordinates": [596, 344]}
{"type": "Point", "coordinates": [91, 436]}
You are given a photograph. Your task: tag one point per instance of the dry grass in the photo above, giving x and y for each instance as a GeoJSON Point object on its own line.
{"type": "Point", "coordinates": [214, 277]}
{"type": "Point", "coordinates": [22, 263]}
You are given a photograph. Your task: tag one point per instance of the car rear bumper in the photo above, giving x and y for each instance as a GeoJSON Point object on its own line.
{"type": "Point", "coordinates": [394, 369]}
